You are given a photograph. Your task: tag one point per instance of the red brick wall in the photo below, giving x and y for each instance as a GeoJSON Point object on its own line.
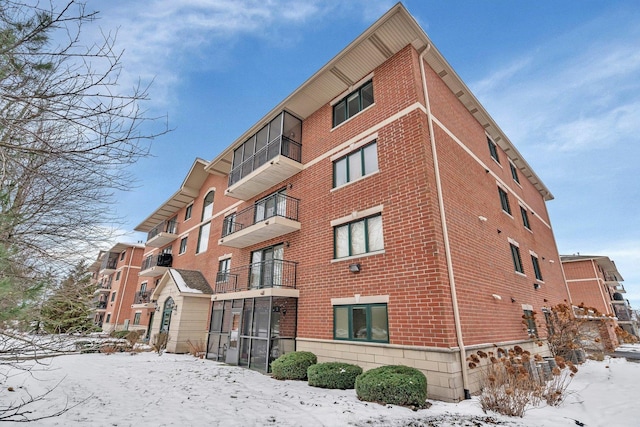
{"type": "Point", "coordinates": [586, 285]}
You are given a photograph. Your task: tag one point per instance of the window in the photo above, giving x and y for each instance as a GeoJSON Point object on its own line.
{"type": "Point", "coordinates": [530, 322]}
{"type": "Point", "coordinates": [359, 163]}
{"type": "Point", "coordinates": [536, 267]}
{"type": "Point", "coordinates": [203, 238]}
{"type": "Point", "coordinates": [223, 270]}
{"type": "Point", "coordinates": [549, 321]}
{"type": "Point", "coordinates": [136, 318]}
{"type": "Point", "coordinates": [267, 267]}
{"type": "Point", "coordinates": [504, 200]}
{"type": "Point", "coordinates": [187, 212]}
{"type": "Point", "coordinates": [229, 225]}
{"type": "Point", "coordinates": [525, 218]}
{"type": "Point", "coordinates": [362, 322]}
{"type": "Point", "coordinates": [353, 103]}
{"type": "Point", "coordinates": [108, 318]}
{"type": "Point", "coordinates": [493, 150]}
{"type": "Point", "coordinates": [113, 296]}
{"type": "Point", "coordinates": [143, 287]}
{"type": "Point", "coordinates": [273, 205]}
{"type": "Point", "coordinates": [122, 255]}
{"type": "Point", "coordinates": [183, 245]}
{"type": "Point", "coordinates": [514, 173]}
{"type": "Point", "coordinates": [207, 208]}
{"type": "Point", "coordinates": [117, 275]}
{"type": "Point", "coordinates": [517, 261]}
{"type": "Point", "coordinates": [358, 237]}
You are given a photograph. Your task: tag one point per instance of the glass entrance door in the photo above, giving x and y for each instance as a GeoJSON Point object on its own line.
{"type": "Point", "coordinates": [234, 337]}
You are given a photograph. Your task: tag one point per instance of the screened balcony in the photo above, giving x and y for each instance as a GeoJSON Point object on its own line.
{"type": "Point", "coordinates": [109, 262]}
{"type": "Point", "coordinates": [267, 158]}
{"type": "Point", "coordinates": [271, 217]}
{"type": "Point", "coordinates": [274, 273]}
{"type": "Point", "coordinates": [156, 265]}
{"type": "Point", "coordinates": [163, 233]}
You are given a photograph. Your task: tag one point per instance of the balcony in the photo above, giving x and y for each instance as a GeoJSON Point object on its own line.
{"type": "Point", "coordinates": [156, 265]}
{"type": "Point", "coordinates": [274, 273]}
{"type": "Point", "coordinates": [267, 158]}
{"type": "Point", "coordinates": [104, 285]}
{"type": "Point", "coordinates": [142, 299]}
{"type": "Point", "coordinates": [101, 305]}
{"type": "Point", "coordinates": [622, 311]}
{"type": "Point", "coordinates": [163, 234]}
{"type": "Point", "coordinates": [271, 217]}
{"type": "Point", "coordinates": [109, 262]}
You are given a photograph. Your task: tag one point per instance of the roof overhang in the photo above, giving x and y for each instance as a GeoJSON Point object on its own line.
{"type": "Point", "coordinates": [387, 36]}
{"type": "Point", "coordinates": [606, 264]}
{"type": "Point", "coordinates": [188, 191]}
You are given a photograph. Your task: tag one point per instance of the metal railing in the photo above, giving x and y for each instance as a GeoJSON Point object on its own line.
{"type": "Point", "coordinates": [279, 145]}
{"type": "Point", "coordinates": [259, 275]}
{"type": "Point", "coordinates": [101, 305]}
{"type": "Point", "coordinates": [143, 297]}
{"type": "Point", "coordinates": [168, 226]}
{"type": "Point", "coordinates": [275, 205]}
{"type": "Point", "coordinates": [161, 260]}
{"type": "Point", "coordinates": [109, 260]}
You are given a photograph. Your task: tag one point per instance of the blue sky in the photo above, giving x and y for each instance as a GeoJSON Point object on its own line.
{"type": "Point", "coordinates": [560, 77]}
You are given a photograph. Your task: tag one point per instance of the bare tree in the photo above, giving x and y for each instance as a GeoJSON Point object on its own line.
{"type": "Point", "coordinates": [68, 133]}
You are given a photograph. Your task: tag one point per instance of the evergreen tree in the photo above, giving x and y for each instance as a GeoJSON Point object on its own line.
{"type": "Point", "coordinates": [69, 308]}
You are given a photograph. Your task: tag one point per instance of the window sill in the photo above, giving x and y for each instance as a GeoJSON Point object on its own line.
{"type": "Point", "coordinates": [349, 258]}
{"type": "Point", "coordinates": [520, 274]}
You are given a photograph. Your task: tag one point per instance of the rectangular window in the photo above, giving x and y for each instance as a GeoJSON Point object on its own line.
{"type": "Point", "coordinates": [493, 150]}
{"type": "Point", "coordinates": [117, 275]}
{"type": "Point", "coordinates": [223, 270]}
{"type": "Point", "coordinates": [113, 296]}
{"type": "Point", "coordinates": [229, 225]}
{"type": "Point", "coordinates": [517, 260]}
{"type": "Point", "coordinates": [188, 211]}
{"type": "Point", "coordinates": [136, 318]}
{"type": "Point", "coordinates": [530, 321]}
{"type": "Point", "coordinates": [504, 200]}
{"type": "Point", "coordinates": [203, 238]}
{"type": "Point", "coordinates": [358, 237]}
{"type": "Point", "coordinates": [183, 245]}
{"type": "Point", "coordinates": [361, 162]}
{"type": "Point", "coordinates": [353, 103]}
{"type": "Point", "coordinates": [525, 218]}
{"type": "Point", "coordinates": [361, 322]}
{"type": "Point", "coordinates": [514, 173]}
{"type": "Point", "coordinates": [536, 267]}
{"type": "Point", "coordinates": [108, 318]}
{"type": "Point", "coordinates": [122, 255]}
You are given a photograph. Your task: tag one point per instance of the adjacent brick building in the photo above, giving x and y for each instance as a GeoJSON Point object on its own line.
{"type": "Point", "coordinates": [377, 215]}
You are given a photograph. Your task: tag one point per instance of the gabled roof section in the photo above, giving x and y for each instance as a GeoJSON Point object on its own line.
{"type": "Point", "coordinates": [188, 191]}
{"type": "Point", "coordinates": [188, 282]}
{"type": "Point", "coordinates": [606, 264]}
{"type": "Point", "coordinates": [387, 36]}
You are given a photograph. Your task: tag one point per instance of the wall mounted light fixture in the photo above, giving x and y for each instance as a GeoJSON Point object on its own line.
{"type": "Point", "coordinates": [354, 268]}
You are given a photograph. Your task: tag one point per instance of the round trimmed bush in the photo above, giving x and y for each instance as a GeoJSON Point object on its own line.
{"type": "Point", "coordinates": [395, 384]}
{"type": "Point", "coordinates": [333, 375]}
{"type": "Point", "coordinates": [293, 366]}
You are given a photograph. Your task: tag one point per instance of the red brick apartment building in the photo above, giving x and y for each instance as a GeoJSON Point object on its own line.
{"type": "Point", "coordinates": [377, 215]}
{"type": "Point", "coordinates": [594, 281]}
{"type": "Point", "coordinates": [115, 273]}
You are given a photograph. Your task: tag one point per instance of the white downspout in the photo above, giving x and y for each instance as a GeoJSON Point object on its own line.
{"type": "Point", "coordinates": [445, 233]}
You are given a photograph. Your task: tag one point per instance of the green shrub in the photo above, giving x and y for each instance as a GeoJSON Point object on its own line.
{"type": "Point", "coordinates": [333, 375]}
{"type": "Point", "coordinates": [293, 366]}
{"type": "Point", "coordinates": [398, 385]}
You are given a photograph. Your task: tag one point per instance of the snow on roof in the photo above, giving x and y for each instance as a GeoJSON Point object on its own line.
{"type": "Point", "coordinates": [189, 281]}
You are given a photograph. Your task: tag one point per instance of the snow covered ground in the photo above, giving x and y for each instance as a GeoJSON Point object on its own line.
{"type": "Point", "coordinates": [180, 390]}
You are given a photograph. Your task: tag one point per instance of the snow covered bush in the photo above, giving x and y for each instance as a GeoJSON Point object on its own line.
{"type": "Point", "coordinates": [395, 384]}
{"type": "Point", "coordinates": [293, 366]}
{"type": "Point", "coordinates": [333, 375]}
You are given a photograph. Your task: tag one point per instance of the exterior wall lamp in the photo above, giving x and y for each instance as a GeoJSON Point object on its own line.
{"type": "Point", "coordinates": [354, 268]}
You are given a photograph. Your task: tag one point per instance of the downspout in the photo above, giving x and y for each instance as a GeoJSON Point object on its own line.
{"type": "Point", "coordinates": [445, 233]}
{"type": "Point", "coordinates": [126, 279]}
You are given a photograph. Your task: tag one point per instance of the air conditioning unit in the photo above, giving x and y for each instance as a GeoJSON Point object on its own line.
{"type": "Point", "coordinates": [164, 260]}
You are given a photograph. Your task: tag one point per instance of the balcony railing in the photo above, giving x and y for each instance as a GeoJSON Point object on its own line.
{"type": "Point", "coordinates": [275, 205]}
{"type": "Point", "coordinates": [622, 311]}
{"type": "Point", "coordinates": [266, 274]}
{"type": "Point", "coordinates": [169, 226]}
{"type": "Point", "coordinates": [143, 297]}
{"type": "Point", "coordinates": [161, 260]}
{"type": "Point", "coordinates": [101, 305]}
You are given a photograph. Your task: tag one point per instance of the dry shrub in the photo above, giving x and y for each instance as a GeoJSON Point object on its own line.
{"type": "Point", "coordinates": [197, 348]}
{"type": "Point", "coordinates": [159, 342]}
{"type": "Point", "coordinates": [511, 382]}
{"type": "Point", "coordinates": [625, 337]}
{"type": "Point", "coordinates": [132, 339]}
{"type": "Point", "coordinates": [108, 349]}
